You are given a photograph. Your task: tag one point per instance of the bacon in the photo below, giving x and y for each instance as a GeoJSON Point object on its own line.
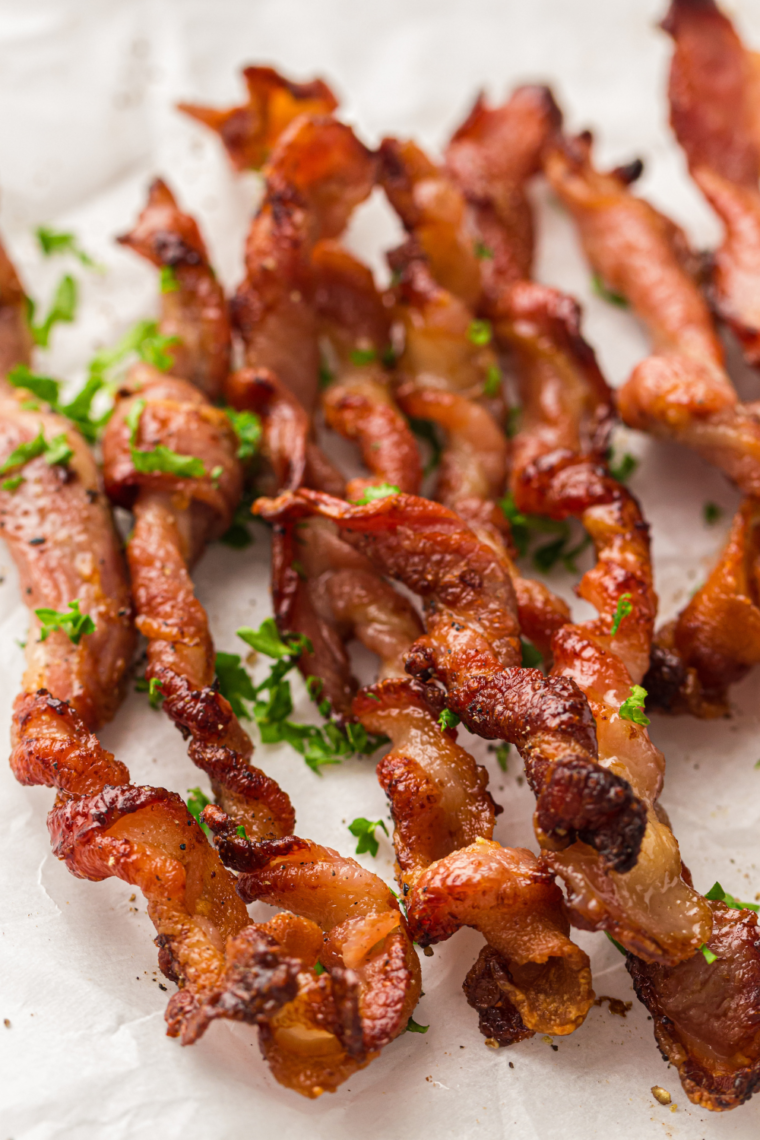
{"type": "Point", "coordinates": [102, 826]}
{"type": "Point", "coordinates": [61, 536]}
{"type": "Point", "coordinates": [714, 94]}
{"type": "Point", "coordinates": [287, 441]}
{"type": "Point", "coordinates": [472, 646]}
{"type": "Point", "coordinates": [317, 174]}
{"type": "Point", "coordinates": [682, 391]}
{"type": "Point", "coordinates": [715, 640]}
{"type": "Point", "coordinates": [706, 1014]}
{"type": "Point", "coordinates": [340, 1020]}
{"type": "Point", "coordinates": [452, 874]}
{"type": "Point", "coordinates": [193, 306]}
{"type": "Point", "coordinates": [15, 334]}
{"type": "Point", "coordinates": [250, 132]}
{"type": "Point", "coordinates": [358, 402]}
{"type": "Point", "coordinates": [175, 516]}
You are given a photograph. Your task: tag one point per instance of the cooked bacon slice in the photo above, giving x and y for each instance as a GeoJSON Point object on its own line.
{"type": "Point", "coordinates": [250, 132]}
{"type": "Point", "coordinates": [714, 94]}
{"type": "Point", "coordinates": [341, 1019]}
{"type": "Point", "coordinates": [706, 1015]}
{"type": "Point", "coordinates": [193, 306]}
{"type": "Point", "coordinates": [358, 402]}
{"type": "Point", "coordinates": [103, 826]}
{"type": "Point", "coordinates": [472, 646]}
{"type": "Point", "coordinates": [452, 875]}
{"type": "Point", "coordinates": [15, 334]}
{"type": "Point", "coordinates": [60, 534]}
{"type": "Point", "coordinates": [287, 441]}
{"type": "Point", "coordinates": [682, 391]}
{"type": "Point", "coordinates": [317, 174]}
{"type": "Point", "coordinates": [175, 515]}
{"type": "Point", "coordinates": [715, 640]}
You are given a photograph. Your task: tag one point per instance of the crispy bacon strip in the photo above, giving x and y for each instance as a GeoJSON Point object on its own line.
{"type": "Point", "coordinates": [340, 1020]}
{"type": "Point", "coordinates": [103, 826]}
{"type": "Point", "coordinates": [714, 94]}
{"type": "Point", "coordinates": [250, 132]}
{"type": "Point", "coordinates": [680, 392]}
{"type": "Point", "coordinates": [287, 441]}
{"type": "Point", "coordinates": [175, 516]}
{"type": "Point", "coordinates": [715, 640]}
{"type": "Point", "coordinates": [706, 1014]}
{"type": "Point", "coordinates": [15, 334]}
{"type": "Point", "coordinates": [193, 306]}
{"type": "Point", "coordinates": [358, 402]}
{"type": "Point", "coordinates": [453, 875]}
{"type": "Point", "coordinates": [472, 646]}
{"type": "Point", "coordinates": [317, 174]}
{"type": "Point", "coordinates": [60, 534]}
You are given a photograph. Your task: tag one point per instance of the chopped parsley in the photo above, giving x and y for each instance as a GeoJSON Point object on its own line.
{"type": "Point", "coordinates": [52, 242]}
{"type": "Point", "coordinates": [426, 431]}
{"type": "Point", "coordinates": [234, 683]}
{"type": "Point", "coordinates": [74, 624]}
{"type": "Point", "coordinates": [364, 830]}
{"type": "Point", "coordinates": [168, 282]}
{"type": "Point", "coordinates": [238, 536]}
{"type": "Point", "coordinates": [414, 1027]}
{"type": "Point", "coordinates": [632, 707]}
{"type": "Point", "coordinates": [709, 956]}
{"type": "Point", "coordinates": [717, 894]}
{"type": "Point", "coordinates": [512, 427]}
{"type": "Point", "coordinates": [62, 310]}
{"type": "Point", "coordinates": [380, 492]}
{"type": "Point", "coordinates": [479, 332]}
{"type": "Point", "coordinates": [196, 802]}
{"type": "Point", "coordinates": [273, 704]}
{"type": "Point", "coordinates": [240, 831]}
{"type": "Point", "coordinates": [532, 658]}
{"type": "Point", "coordinates": [247, 427]}
{"type": "Point", "coordinates": [159, 458]}
{"type": "Point", "coordinates": [623, 608]}
{"type": "Point", "coordinates": [482, 251]}
{"type": "Point", "coordinates": [13, 483]}
{"type": "Point", "coordinates": [388, 356]}
{"type": "Point", "coordinates": [501, 752]}
{"type": "Point", "coordinates": [326, 377]}
{"type": "Point", "coordinates": [44, 387]}
{"type": "Point", "coordinates": [57, 452]}
{"type": "Point", "coordinates": [525, 527]}
{"type": "Point", "coordinates": [448, 719]}
{"type": "Point", "coordinates": [615, 943]}
{"type": "Point", "coordinates": [143, 340]}
{"type": "Point", "coordinates": [319, 968]}
{"type": "Point", "coordinates": [153, 688]}
{"type": "Point", "coordinates": [622, 469]}
{"type": "Point", "coordinates": [598, 286]}
{"type": "Point", "coordinates": [547, 557]}
{"type": "Point", "coordinates": [492, 383]}
{"type": "Point", "coordinates": [363, 355]}
{"type": "Point", "coordinates": [711, 512]}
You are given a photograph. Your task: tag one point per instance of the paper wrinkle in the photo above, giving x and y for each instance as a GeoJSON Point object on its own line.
{"type": "Point", "coordinates": [86, 120]}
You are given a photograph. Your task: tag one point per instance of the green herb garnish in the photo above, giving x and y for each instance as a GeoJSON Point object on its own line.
{"type": "Point", "coordinates": [532, 658]}
{"type": "Point", "coordinates": [413, 1027]}
{"type": "Point", "coordinates": [364, 830]}
{"type": "Point", "coordinates": [234, 683]}
{"type": "Point", "coordinates": [709, 956]}
{"type": "Point", "coordinates": [159, 458]}
{"type": "Point", "coordinates": [598, 286]}
{"type": "Point", "coordinates": [426, 430]}
{"type": "Point", "coordinates": [196, 802]}
{"type": "Point", "coordinates": [371, 494]}
{"type": "Point", "coordinates": [52, 242]}
{"type": "Point", "coordinates": [448, 719]}
{"type": "Point", "coordinates": [492, 384]}
{"type": "Point", "coordinates": [711, 512]}
{"type": "Point", "coordinates": [74, 624]}
{"type": "Point", "coordinates": [717, 894]}
{"type": "Point", "coordinates": [482, 251]}
{"type": "Point", "coordinates": [632, 707]}
{"type": "Point", "coordinates": [363, 355]}
{"type": "Point", "coordinates": [622, 469]}
{"type": "Point", "coordinates": [623, 608]}
{"type": "Point", "coordinates": [247, 427]}
{"type": "Point", "coordinates": [62, 310]}
{"type": "Point", "coordinates": [168, 282]}
{"type": "Point", "coordinates": [479, 332]}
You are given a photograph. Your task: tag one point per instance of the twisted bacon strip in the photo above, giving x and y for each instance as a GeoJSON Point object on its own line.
{"type": "Point", "coordinates": [339, 1020]}
{"type": "Point", "coordinates": [193, 306]}
{"type": "Point", "coordinates": [682, 391]}
{"type": "Point", "coordinates": [317, 174]}
{"type": "Point", "coordinates": [529, 977]}
{"type": "Point", "coordinates": [715, 640]}
{"type": "Point", "coordinates": [714, 94]}
{"type": "Point", "coordinates": [250, 132]}
{"type": "Point", "coordinates": [174, 518]}
{"type": "Point", "coordinates": [358, 403]}
{"type": "Point", "coordinates": [472, 646]}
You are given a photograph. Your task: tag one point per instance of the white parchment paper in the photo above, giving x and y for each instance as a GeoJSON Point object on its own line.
{"type": "Point", "coordinates": [87, 89]}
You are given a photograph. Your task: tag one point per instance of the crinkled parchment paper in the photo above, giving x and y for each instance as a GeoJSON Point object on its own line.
{"type": "Point", "coordinates": [87, 89]}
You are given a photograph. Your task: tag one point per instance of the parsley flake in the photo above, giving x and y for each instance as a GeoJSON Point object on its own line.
{"type": "Point", "coordinates": [623, 608]}
{"type": "Point", "coordinates": [479, 332]}
{"type": "Point", "coordinates": [196, 802]}
{"type": "Point", "coordinates": [711, 513]}
{"type": "Point", "coordinates": [710, 957]}
{"type": "Point", "coordinates": [52, 242]}
{"type": "Point", "coordinates": [532, 658]}
{"type": "Point", "coordinates": [615, 943]}
{"type": "Point", "coordinates": [426, 431]}
{"type": "Point", "coordinates": [240, 831]}
{"type": "Point", "coordinates": [622, 469]}
{"type": "Point", "coordinates": [717, 894]}
{"type": "Point", "coordinates": [168, 282]}
{"type": "Point", "coordinates": [235, 685]}
{"type": "Point", "coordinates": [364, 830]}
{"type": "Point", "coordinates": [159, 458]}
{"type": "Point", "coordinates": [482, 251]}
{"type": "Point", "coordinates": [501, 752]}
{"type": "Point", "coordinates": [414, 1027]}
{"type": "Point", "coordinates": [363, 355]}
{"type": "Point", "coordinates": [492, 383]}
{"type": "Point", "coordinates": [74, 624]}
{"type": "Point", "coordinates": [62, 310]}
{"type": "Point", "coordinates": [598, 286]}
{"type": "Point", "coordinates": [44, 387]}
{"type": "Point", "coordinates": [153, 688]}
{"type": "Point", "coordinates": [448, 719]}
{"type": "Point", "coordinates": [247, 427]}
{"type": "Point", "coordinates": [632, 707]}
{"type": "Point", "coordinates": [24, 453]}
{"type": "Point", "coordinates": [380, 492]}
{"type": "Point", "coordinates": [13, 483]}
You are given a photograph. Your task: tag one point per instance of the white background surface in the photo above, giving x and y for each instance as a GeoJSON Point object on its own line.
{"type": "Point", "coordinates": [86, 96]}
